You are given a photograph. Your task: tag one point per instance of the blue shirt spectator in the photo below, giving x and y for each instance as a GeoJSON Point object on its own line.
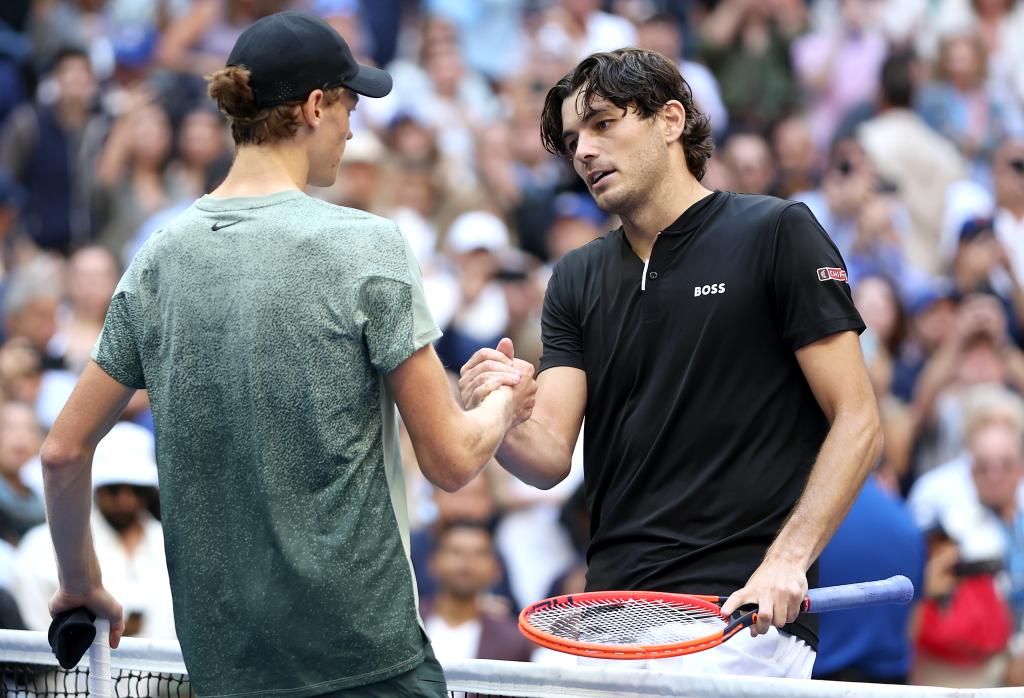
{"type": "Point", "coordinates": [870, 644]}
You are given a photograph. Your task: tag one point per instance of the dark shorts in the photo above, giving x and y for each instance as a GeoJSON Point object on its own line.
{"type": "Point", "coordinates": [425, 681]}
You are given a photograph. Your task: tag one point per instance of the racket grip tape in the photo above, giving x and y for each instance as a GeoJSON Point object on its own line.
{"type": "Point", "coordinates": [896, 589]}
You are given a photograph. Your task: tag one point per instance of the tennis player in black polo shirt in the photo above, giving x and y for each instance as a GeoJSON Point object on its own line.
{"type": "Point", "coordinates": [712, 345]}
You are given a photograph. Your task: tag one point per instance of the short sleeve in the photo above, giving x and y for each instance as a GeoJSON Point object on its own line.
{"type": "Point", "coordinates": [396, 320]}
{"type": "Point", "coordinates": [809, 285]}
{"type": "Point", "coordinates": [561, 329]}
{"type": "Point", "coordinates": [117, 348]}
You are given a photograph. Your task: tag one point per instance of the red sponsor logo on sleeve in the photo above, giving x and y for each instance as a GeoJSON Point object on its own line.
{"type": "Point", "coordinates": [832, 274]}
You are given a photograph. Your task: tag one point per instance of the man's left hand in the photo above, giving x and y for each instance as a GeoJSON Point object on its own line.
{"type": "Point", "coordinates": [778, 587]}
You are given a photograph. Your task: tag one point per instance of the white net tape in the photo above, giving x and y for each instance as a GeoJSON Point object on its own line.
{"type": "Point", "coordinates": [155, 660]}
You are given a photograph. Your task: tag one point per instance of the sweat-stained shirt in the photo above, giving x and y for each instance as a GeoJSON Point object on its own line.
{"type": "Point", "coordinates": [262, 328]}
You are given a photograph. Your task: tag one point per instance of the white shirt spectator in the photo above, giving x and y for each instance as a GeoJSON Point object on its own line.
{"type": "Point", "coordinates": [946, 495]}
{"type": "Point", "coordinates": [138, 581]}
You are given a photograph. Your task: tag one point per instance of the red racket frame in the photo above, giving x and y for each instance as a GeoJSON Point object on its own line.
{"type": "Point", "coordinates": [589, 649]}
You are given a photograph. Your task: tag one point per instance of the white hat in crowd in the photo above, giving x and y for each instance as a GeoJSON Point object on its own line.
{"type": "Point", "coordinates": [477, 230]}
{"type": "Point", "coordinates": [125, 456]}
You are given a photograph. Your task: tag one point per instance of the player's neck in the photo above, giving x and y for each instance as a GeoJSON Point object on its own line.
{"type": "Point", "coordinates": [454, 610]}
{"type": "Point", "coordinates": [667, 200]}
{"type": "Point", "coordinates": [262, 170]}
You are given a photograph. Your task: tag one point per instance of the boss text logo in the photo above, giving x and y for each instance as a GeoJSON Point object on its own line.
{"type": "Point", "coordinates": [708, 290]}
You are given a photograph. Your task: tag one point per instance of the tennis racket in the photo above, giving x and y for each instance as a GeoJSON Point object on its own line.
{"type": "Point", "coordinates": [650, 625]}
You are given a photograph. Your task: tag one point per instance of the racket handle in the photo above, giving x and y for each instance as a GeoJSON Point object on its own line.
{"type": "Point", "coordinates": [896, 589]}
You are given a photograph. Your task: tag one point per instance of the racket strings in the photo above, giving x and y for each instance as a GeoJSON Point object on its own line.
{"type": "Point", "coordinates": [640, 622]}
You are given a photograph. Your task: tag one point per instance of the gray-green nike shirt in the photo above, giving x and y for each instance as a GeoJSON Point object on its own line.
{"type": "Point", "coordinates": [262, 328]}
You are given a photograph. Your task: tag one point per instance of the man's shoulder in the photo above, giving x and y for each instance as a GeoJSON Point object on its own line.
{"type": "Point", "coordinates": [756, 206]}
{"type": "Point", "coordinates": [754, 216]}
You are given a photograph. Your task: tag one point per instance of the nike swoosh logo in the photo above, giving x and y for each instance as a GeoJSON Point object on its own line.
{"type": "Point", "coordinates": [218, 226]}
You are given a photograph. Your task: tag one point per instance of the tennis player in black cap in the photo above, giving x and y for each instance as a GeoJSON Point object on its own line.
{"type": "Point", "coordinates": [275, 334]}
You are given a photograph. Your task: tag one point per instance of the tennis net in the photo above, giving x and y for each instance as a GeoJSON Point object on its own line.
{"type": "Point", "coordinates": [153, 669]}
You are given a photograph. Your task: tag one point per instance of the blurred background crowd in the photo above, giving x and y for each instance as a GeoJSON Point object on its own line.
{"type": "Point", "coordinates": [900, 123]}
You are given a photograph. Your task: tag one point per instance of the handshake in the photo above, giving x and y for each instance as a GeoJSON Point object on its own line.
{"type": "Point", "coordinates": [497, 371]}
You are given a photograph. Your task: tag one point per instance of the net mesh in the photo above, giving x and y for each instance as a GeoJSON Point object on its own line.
{"type": "Point", "coordinates": [144, 669]}
{"type": "Point", "coordinates": [626, 622]}
{"type": "Point", "coordinates": [19, 680]}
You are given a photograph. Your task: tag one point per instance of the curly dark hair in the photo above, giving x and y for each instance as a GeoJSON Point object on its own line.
{"type": "Point", "coordinates": [629, 78]}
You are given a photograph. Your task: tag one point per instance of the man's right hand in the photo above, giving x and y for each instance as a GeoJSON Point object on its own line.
{"type": "Point", "coordinates": [99, 601]}
{"type": "Point", "coordinates": [489, 369]}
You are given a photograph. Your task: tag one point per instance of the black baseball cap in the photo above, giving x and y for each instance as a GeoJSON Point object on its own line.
{"type": "Point", "coordinates": [290, 54]}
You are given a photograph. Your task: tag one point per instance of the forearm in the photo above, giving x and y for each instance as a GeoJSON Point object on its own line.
{"type": "Point", "coordinates": [68, 488]}
{"type": "Point", "coordinates": [487, 425]}
{"type": "Point", "coordinates": [853, 445]}
{"type": "Point", "coordinates": [472, 438]}
{"type": "Point", "coordinates": [535, 454]}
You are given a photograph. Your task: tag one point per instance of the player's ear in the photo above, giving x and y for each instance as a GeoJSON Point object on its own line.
{"type": "Point", "coordinates": [312, 109]}
{"type": "Point", "coordinates": [673, 118]}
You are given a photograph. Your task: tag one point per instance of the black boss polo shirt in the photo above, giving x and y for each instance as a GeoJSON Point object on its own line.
{"type": "Point", "coordinates": [700, 427]}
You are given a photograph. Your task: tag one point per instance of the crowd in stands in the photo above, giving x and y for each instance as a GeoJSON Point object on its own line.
{"type": "Point", "coordinates": [899, 123]}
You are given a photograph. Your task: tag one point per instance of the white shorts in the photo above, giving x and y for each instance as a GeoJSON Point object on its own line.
{"type": "Point", "coordinates": [775, 654]}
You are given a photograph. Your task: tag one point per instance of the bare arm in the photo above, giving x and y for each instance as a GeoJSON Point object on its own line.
{"type": "Point", "coordinates": [451, 445]}
{"type": "Point", "coordinates": [724, 22]}
{"type": "Point", "coordinates": [538, 450]}
{"type": "Point", "coordinates": [175, 48]}
{"type": "Point", "coordinates": [834, 369]}
{"type": "Point", "coordinates": [93, 408]}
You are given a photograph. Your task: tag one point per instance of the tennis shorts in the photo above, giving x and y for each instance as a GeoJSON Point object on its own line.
{"type": "Point", "coordinates": [775, 654]}
{"type": "Point", "coordinates": [425, 681]}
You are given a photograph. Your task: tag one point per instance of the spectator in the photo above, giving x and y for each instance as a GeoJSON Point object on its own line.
{"type": "Point", "coordinates": [30, 305]}
{"type": "Point", "coordinates": [132, 175]}
{"type": "Point", "coordinates": [982, 264]}
{"type": "Point", "coordinates": [361, 175]}
{"type": "Point", "coordinates": [518, 173]}
{"type": "Point", "coordinates": [490, 34]}
{"type": "Point", "coordinates": [870, 644]}
{"type": "Point", "coordinates": [199, 41]}
{"type": "Point", "coordinates": [746, 44]}
{"type": "Point", "coordinates": [838, 66]}
{"type": "Point", "coordinates": [458, 618]}
{"type": "Point", "coordinates": [20, 439]}
{"type": "Point", "coordinates": [977, 351]}
{"type": "Point", "coordinates": [964, 107]}
{"type": "Point", "coordinates": [49, 149]}
{"type": "Point", "coordinates": [14, 59]}
{"type": "Point", "coordinates": [201, 141]}
{"type": "Point", "coordinates": [985, 530]}
{"type": "Point", "coordinates": [475, 503]}
{"type": "Point", "coordinates": [850, 180]}
{"type": "Point", "coordinates": [474, 241]}
{"type": "Point", "coordinates": [129, 541]}
{"type": "Point", "coordinates": [530, 535]}
{"type": "Point", "coordinates": [1008, 179]}
{"type": "Point", "coordinates": [92, 275]}
{"type": "Point", "coordinates": [750, 159]}
{"type": "Point", "coordinates": [917, 160]}
{"type": "Point", "coordinates": [577, 221]}
{"type": "Point", "coordinates": [932, 314]}
{"type": "Point", "coordinates": [941, 493]}
{"type": "Point", "coordinates": [661, 32]}
{"type": "Point", "coordinates": [12, 199]}
{"type": "Point", "coordinates": [523, 279]}
{"type": "Point", "coordinates": [585, 29]}
{"type": "Point", "coordinates": [797, 157]}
